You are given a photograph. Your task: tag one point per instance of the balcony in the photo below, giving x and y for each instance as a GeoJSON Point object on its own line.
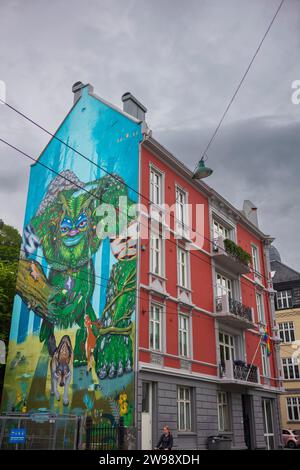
{"type": "Point", "coordinates": [231, 256]}
{"type": "Point", "coordinates": [234, 313]}
{"type": "Point", "coordinates": [239, 372]}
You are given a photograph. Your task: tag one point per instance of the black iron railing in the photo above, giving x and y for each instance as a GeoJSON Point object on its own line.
{"type": "Point", "coordinates": [104, 436]}
{"type": "Point", "coordinates": [241, 371]}
{"type": "Point", "coordinates": [235, 307]}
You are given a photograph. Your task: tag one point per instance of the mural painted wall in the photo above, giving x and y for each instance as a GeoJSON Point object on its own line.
{"type": "Point", "coordinates": [73, 328]}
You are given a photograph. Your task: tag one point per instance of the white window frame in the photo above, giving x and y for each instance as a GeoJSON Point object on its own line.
{"type": "Point", "coordinates": [184, 403]}
{"type": "Point", "coordinates": [183, 335]}
{"type": "Point", "coordinates": [260, 308]}
{"type": "Point", "coordinates": [284, 299]}
{"type": "Point", "coordinates": [293, 408]}
{"type": "Point", "coordinates": [224, 285]}
{"type": "Point", "coordinates": [181, 213]}
{"type": "Point", "coordinates": [220, 230]}
{"type": "Point", "coordinates": [156, 254]}
{"type": "Point", "coordinates": [256, 263]}
{"type": "Point", "coordinates": [224, 423]}
{"type": "Point", "coordinates": [228, 346]}
{"type": "Point", "coordinates": [268, 433]}
{"type": "Point", "coordinates": [265, 361]}
{"type": "Point", "coordinates": [183, 268]}
{"type": "Point", "coordinates": [153, 321]}
{"type": "Point", "coordinates": [290, 368]}
{"type": "Point", "coordinates": [156, 186]}
{"type": "Point", "coordinates": [286, 331]}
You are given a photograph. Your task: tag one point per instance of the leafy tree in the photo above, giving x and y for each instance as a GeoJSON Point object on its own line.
{"type": "Point", "coordinates": [10, 242]}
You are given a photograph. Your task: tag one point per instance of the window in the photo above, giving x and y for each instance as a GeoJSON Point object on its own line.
{"type": "Point", "coordinates": [260, 308]}
{"type": "Point", "coordinates": [226, 345]}
{"type": "Point", "coordinates": [293, 408]}
{"type": "Point", "coordinates": [255, 261]}
{"type": "Point", "coordinates": [284, 299]}
{"type": "Point", "coordinates": [155, 186]}
{"type": "Point", "coordinates": [265, 361]}
{"type": "Point", "coordinates": [290, 368]}
{"type": "Point", "coordinates": [224, 286]}
{"type": "Point", "coordinates": [155, 327]}
{"type": "Point", "coordinates": [184, 408]}
{"type": "Point", "coordinates": [223, 412]}
{"type": "Point", "coordinates": [287, 332]}
{"type": "Point", "coordinates": [181, 214]}
{"type": "Point", "coordinates": [146, 397]}
{"type": "Point", "coordinates": [183, 268]}
{"type": "Point", "coordinates": [156, 254]}
{"type": "Point", "coordinates": [183, 324]}
{"type": "Point", "coordinates": [268, 423]}
{"type": "Point", "coordinates": [220, 231]}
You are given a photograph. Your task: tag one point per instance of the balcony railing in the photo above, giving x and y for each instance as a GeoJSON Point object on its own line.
{"type": "Point", "coordinates": [227, 304]}
{"type": "Point", "coordinates": [239, 370]}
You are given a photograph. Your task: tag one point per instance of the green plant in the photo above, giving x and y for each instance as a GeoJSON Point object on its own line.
{"type": "Point", "coordinates": [237, 252]}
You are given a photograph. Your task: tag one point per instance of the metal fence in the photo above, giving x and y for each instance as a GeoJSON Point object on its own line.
{"type": "Point", "coordinates": [39, 431]}
{"type": "Point", "coordinates": [104, 436]}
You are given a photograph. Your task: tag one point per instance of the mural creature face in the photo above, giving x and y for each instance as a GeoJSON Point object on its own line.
{"type": "Point", "coordinates": [72, 231]}
{"type": "Point", "coordinates": [62, 373]}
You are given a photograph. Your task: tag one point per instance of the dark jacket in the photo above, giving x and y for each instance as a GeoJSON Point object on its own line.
{"type": "Point", "coordinates": [165, 441]}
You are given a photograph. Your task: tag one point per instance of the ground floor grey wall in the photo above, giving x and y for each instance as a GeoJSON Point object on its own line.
{"type": "Point", "coordinates": [204, 411]}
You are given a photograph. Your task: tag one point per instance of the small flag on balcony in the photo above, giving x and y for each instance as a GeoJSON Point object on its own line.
{"type": "Point", "coordinates": [266, 339]}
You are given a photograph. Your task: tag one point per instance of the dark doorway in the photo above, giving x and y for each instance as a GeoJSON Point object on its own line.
{"type": "Point", "coordinates": [248, 421]}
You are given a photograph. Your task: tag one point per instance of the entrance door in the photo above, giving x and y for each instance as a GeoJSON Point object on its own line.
{"type": "Point", "coordinates": [248, 421]}
{"type": "Point", "coordinates": [268, 423]}
{"type": "Point", "coordinates": [146, 416]}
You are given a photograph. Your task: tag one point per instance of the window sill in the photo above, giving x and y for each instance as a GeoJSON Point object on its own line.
{"type": "Point", "coordinates": [188, 289]}
{"type": "Point", "coordinates": [160, 276]}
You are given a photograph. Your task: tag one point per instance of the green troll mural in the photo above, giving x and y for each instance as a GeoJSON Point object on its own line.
{"type": "Point", "coordinates": [69, 228]}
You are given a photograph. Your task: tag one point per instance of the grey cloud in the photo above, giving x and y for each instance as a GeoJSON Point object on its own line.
{"type": "Point", "coordinates": [183, 60]}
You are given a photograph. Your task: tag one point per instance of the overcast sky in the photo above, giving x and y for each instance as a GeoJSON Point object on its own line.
{"type": "Point", "coordinates": [183, 60]}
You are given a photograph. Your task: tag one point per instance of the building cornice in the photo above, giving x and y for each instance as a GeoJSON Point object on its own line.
{"type": "Point", "coordinates": [167, 157]}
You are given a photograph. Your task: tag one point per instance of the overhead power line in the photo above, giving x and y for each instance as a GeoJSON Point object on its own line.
{"type": "Point", "coordinates": [82, 188]}
{"type": "Point", "coordinates": [241, 81]}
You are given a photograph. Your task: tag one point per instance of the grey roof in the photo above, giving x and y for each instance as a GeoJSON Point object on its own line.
{"type": "Point", "coordinates": [283, 273]}
{"type": "Point", "coordinates": [274, 254]}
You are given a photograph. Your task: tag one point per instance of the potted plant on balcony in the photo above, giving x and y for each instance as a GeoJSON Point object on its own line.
{"type": "Point", "coordinates": [237, 252]}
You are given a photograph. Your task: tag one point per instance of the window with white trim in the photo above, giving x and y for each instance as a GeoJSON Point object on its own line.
{"type": "Point", "coordinates": [290, 368]}
{"type": "Point", "coordinates": [255, 261]}
{"type": "Point", "coordinates": [224, 286]}
{"type": "Point", "coordinates": [183, 334]}
{"type": "Point", "coordinates": [267, 409]}
{"type": "Point", "coordinates": [155, 327]}
{"type": "Point", "coordinates": [155, 186]}
{"type": "Point", "coordinates": [226, 346]}
{"type": "Point", "coordinates": [223, 412]}
{"type": "Point", "coordinates": [220, 230]}
{"type": "Point", "coordinates": [293, 408]}
{"type": "Point", "coordinates": [156, 254]}
{"type": "Point", "coordinates": [265, 361]}
{"type": "Point", "coordinates": [183, 277]}
{"type": "Point", "coordinates": [184, 408]}
{"type": "Point", "coordinates": [260, 308]}
{"type": "Point", "coordinates": [181, 209]}
{"type": "Point", "coordinates": [286, 331]}
{"type": "Point", "coordinates": [284, 299]}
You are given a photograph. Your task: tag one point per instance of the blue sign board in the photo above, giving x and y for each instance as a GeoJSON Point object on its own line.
{"type": "Point", "coordinates": [17, 436]}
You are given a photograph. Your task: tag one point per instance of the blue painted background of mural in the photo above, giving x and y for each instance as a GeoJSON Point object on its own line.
{"type": "Point", "coordinates": [77, 364]}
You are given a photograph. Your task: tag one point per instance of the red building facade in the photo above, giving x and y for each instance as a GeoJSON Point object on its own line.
{"type": "Point", "coordinates": [205, 319]}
